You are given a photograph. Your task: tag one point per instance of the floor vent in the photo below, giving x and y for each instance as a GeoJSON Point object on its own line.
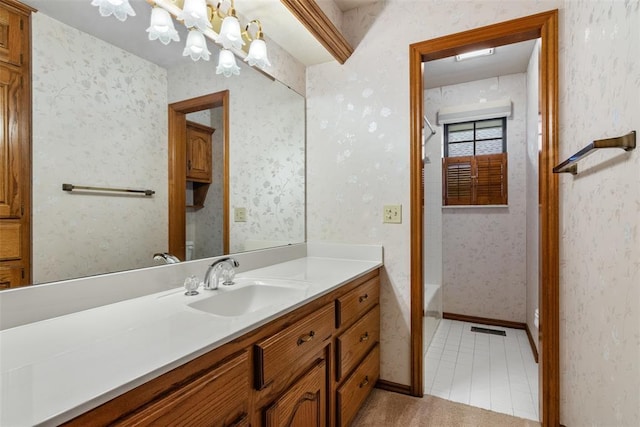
{"type": "Point", "coordinates": [488, 331]}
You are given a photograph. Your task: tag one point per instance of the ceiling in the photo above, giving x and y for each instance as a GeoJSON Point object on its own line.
{"type": "Point", "coordinates": [278, 23]}
{"type": "Point", "coordinates": [508, 59]}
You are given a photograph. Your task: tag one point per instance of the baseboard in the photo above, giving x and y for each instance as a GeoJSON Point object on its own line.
{"type": "Point", "coordinates": [394, 387]}
{"type": "Point", "coordinates": [532, 343]}
{"type": "Point", "coordinates": [484, 320]}
{"type": "Point", "coordinates": [496, 322]}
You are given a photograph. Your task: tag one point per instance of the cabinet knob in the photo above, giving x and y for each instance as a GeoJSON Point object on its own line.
{"type": "Point", "coordinates": [364, 297]}
{"type": "Point", "coordinates": [306, 338]}
{"type": "Point", "coordinates": [364, 337]}
{"type": "Point", "coordinates": [364, 382]}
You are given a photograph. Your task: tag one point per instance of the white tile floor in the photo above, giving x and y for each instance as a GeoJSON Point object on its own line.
{"type": "Point", "coordinates": [483, 370]}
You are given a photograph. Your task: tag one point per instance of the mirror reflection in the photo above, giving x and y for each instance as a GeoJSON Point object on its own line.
{"type": "Point", "coordinates": [100, 119]}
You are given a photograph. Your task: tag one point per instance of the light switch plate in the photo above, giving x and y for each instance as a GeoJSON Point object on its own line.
{"type": "Point", "coordinates": [392, 214]}
{"type": "Point", "coordinates": [240, 215]}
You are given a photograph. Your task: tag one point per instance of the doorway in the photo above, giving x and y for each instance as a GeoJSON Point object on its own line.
{"type": "Point", "coordinates": [178, 112]}
{"type": "Point", "coordinates": [542, 26]}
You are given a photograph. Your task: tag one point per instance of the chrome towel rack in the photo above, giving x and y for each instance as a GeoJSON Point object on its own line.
{"type": "Point", "coordinates": [71, 187]}
{"type": "Point", "coordinates": [626, 142]}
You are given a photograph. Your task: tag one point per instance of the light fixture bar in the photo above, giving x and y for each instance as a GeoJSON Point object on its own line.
{"type": "Point", "coordinates": [174, 10]}
{"type": "Point", "coordinates": [474, 54]}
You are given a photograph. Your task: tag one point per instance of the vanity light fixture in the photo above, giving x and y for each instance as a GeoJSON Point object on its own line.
{"type": "Point", "coordinates": [474, 54]}
{"type": "Point", "coordinates": [258, 49]}
{"type": "Point", "coordinates": [203, 18]}
{"type": "Point", "coordinates": [227, 64]}
{"type": "Point", "coordinates": [161, 27]}
{"type": "Point", "coordinates": [118, 8]}
{"type": "Point", "coordinates": [194, 14]}
{"type": "Point", "coordinates": [230, 35]}
{"type": "Point", "coordinates": [196, 46]}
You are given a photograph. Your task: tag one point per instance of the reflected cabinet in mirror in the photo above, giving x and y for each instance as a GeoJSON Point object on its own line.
{"type": "Point", "coordinates": [100, 119]}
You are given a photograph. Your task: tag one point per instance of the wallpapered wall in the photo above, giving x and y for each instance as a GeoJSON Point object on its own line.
{"type": "Point", "coordinates": [483, 249]}
{"type": "Point", "coordinates": [99, 119]}
{"type": "Point", "coordinates": [358, 148]}
{"type": "Point", "coordinates": [267, 151]}
{"type": "Point", "coordinates": [532, 176]}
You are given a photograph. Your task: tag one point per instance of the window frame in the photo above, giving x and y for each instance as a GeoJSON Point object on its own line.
{"type": "Point", "coordinates": [476, 182]}
{"type": "Point", "coordinates": [503, 121]}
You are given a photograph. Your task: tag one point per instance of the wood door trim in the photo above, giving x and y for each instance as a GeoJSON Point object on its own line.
{"type": "Point", "coordinates": [544, 25]}
{"type": "Point", "coordinates": [177, 167]}
{"type": "Point", "coordinates": [316, 21]}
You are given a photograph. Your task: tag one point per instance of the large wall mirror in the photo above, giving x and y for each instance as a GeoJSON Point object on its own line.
{"type": "Point", "coordinates": [100, 118]}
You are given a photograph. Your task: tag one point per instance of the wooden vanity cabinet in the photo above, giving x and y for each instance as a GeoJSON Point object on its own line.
{"type": "Point", "coordinates": [15, 144]}
{"type": "Point", "coordinates": [199, 141]}
{"type": "Point", "coordinates": [284, 373]}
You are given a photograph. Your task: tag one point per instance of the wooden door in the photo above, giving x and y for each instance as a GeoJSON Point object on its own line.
{"type": "Point", "coordinates": [303, 404]}
{"type": "Point", "coordinates": [10, 144]}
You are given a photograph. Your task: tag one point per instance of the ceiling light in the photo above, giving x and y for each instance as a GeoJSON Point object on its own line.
{"type": "Point", "coordinates": [161, 26]}
{"type": "Point", "coordinates": [227, 64]}
{"type": "Point", "coordinates": [474, 54]}
{"type": "Point", "coordinates": [119, 8]}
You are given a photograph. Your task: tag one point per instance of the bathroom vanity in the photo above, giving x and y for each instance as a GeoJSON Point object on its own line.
{"type": "Point", "coordinates": [309, 357]}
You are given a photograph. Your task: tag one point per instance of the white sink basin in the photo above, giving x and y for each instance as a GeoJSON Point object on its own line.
{"type": "Point", "coordinates": [234, 301]}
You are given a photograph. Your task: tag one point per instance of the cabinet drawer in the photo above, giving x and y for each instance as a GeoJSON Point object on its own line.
{"type": "Point", "coordinates": [357, 387]}
{"type": "Point", "coordinates": [293, 347]}
{"type": "Point", "coordinates": [216, 398]}
{"type": "Point", "coordinates": [356, 302]}
{"type": "Point", "coordinates": [356, 341]}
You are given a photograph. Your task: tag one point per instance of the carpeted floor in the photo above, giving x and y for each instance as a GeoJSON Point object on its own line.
{"type": "Point", "coordinates": [384, 408]}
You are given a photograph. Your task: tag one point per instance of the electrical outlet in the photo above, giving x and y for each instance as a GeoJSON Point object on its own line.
{"type": "Point", "coordinates": [392, 214]}
{"type": "Point", "coordinates": [240, 214]}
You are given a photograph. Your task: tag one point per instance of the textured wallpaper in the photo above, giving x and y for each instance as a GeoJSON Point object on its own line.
{"type": "Point", "coordinates": [484, 248]}
{"type": "Point", "coordinates": [600, 215]}
{"type": "Point", "coordinates": [358, 141]}
{"type": "Point", "coordinates": [356, 166]}
{"type": "Point", "coordinates": [267, 152]}
{"type": "Point", "coordinates": [99, 119]}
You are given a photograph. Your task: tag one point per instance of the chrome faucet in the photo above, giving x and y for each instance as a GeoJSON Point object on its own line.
{"type": "Point", "coordinates": [166, 257]}
{"type": "Point", "coordinates": [212, 276]}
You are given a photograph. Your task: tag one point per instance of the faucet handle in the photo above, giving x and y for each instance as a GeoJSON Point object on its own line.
{"type": "Point", "coordinates": [191, 283]}
{"type": "Point", "coordinates": [228, 274]}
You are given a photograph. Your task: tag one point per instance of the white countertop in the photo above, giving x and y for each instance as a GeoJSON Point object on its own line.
{"type": "Point", "coordinates": [56, 369]}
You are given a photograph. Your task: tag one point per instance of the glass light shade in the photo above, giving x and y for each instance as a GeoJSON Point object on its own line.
{"type": "Point", "coordinates": [161, 27]}
{"type": "Point", "coordinates": [194, 14]}
{"type": "Point", "coordinates": [196, 46]}
{"type": "Point", "coordinates": [230, 36]}
{"type": "Point", "coordinates": [227, 64]}
{"type": "Point", "coordinates": [119, 8]}
{"type": "Point", "coordinates": [258, 54]}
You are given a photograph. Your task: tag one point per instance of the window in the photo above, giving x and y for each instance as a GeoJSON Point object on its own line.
{"type": "Point", "coordinates": [474, 166]}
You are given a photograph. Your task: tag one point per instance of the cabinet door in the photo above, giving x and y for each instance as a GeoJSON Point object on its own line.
{"type": "Point", "coordinates": [10, 277]}
{"type": "Point", "coordinates": [199, 139]}
{"type": "Point", "coordinates": [10, 145]}
{"type": "Point", "coordinates": [303, 404]}
{"type": "Point", "coordinates": [11, 36]}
